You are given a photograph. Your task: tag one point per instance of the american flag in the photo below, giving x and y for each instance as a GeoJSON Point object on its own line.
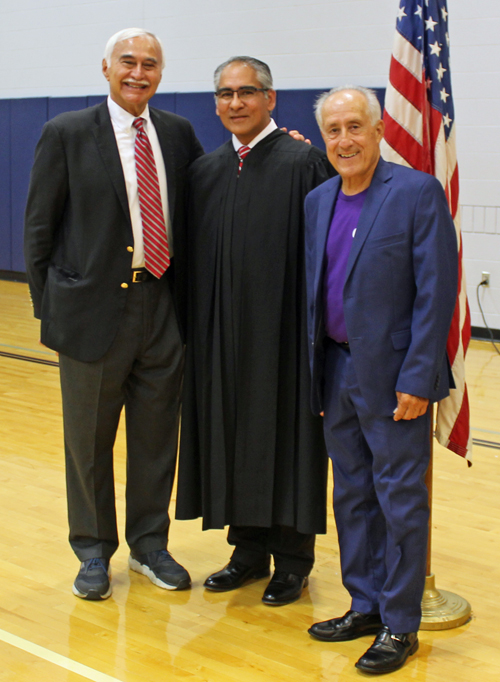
{"type": "Point", "coordinates": [420, 132]}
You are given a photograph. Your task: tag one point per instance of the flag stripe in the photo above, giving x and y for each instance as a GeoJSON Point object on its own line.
{"type": "Point", "coordinates": [405, 83]}
{"type": "Point", "coordinates": [405, 144]}
{"type": "Point", "coordinates": [460, 440]}
{"type": "Point", "coordinates": [389, 152]}
{"type": "Point", "coordinates": [419, 131]}
{"type": "Point", "coordinates": [407, 55]}
{"type": "Point", "coordinates": [454, 192]}
{"type": "Point", "coordinates": [405, 114]}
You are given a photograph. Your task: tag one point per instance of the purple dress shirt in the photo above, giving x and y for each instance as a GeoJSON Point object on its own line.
{"type": "Point", "coordinates": [342, 230]}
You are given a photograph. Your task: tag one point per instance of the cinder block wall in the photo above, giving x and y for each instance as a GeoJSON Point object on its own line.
{"type": "Point", "coordinates": [53, 48]}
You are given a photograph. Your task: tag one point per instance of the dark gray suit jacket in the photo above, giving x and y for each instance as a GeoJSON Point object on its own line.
{"type": "Point", "coordinates": [78, 232]}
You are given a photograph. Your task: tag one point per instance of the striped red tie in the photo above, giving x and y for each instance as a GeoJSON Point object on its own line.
{"type": "Point", "coordinates": [154, 233]}
{"type": "Point", "coordinates": [242, 152]}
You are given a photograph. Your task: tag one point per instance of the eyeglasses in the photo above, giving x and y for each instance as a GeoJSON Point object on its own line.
{"type": "Point", "coordinates": [244, 94]}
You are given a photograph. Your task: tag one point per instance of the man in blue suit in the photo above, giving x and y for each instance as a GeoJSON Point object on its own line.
{"type": "Point", "coordinates": [381, 258]}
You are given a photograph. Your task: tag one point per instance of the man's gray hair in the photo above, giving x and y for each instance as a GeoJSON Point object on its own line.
{"type": "Point", "coordinates": [127, 34]}
{"type": "Point", "coordinates": [261, 69]}
{"type": "Point", "coordinates": [373, 104]}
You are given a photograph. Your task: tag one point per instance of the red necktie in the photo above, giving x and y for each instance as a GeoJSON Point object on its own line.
{"type": "Point", "coordinates": [242, 152]}
{"type": "Point", "coordinates": [154, 233]}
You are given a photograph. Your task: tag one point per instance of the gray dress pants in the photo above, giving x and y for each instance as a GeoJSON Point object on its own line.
{"type": "Point", "coordinates": [142, 371]}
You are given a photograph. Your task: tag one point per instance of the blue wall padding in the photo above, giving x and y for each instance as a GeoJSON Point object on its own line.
{"type": "Point", "coordinates": [59, 105]}
{"type": "Point", "coordinates": [164, 100]}
{"type": "Point", "coordinates": [295, 112]}
{"type": "Point", "coordinates": [22, 119]}
{"type": "Point", "coordinates": [27, 119]}
{"type": "Point", "coordinates": [199, 108]}
{"type": "Point", "coordinates": [5, 204]}
{"type": "Point", "coordinates": [95, 99]}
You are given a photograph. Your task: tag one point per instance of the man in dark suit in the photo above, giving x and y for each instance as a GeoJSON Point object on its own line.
{"type": "Point", "coordinates": [99, 275]}
{"type": "Point", "coordinates": [381, 258]}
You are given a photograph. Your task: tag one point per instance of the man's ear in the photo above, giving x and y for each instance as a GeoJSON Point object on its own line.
{"type": "Point", "coordinates": [271, 100]}
{"type": "Point", "coordinates": [105, 69]}
{"type": "Point", "coordinates": [380, 128]}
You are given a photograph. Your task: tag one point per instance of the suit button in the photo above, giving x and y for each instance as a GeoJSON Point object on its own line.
{"type": "Point", "coordinates": [124, 285]}
{"type": "Point", "coordinates": [130, 249]}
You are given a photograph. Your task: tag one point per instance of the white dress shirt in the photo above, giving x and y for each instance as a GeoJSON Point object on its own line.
{"type": "Point", "coordinates": [263, 133]}
{"type": "Point", "coordinates": [125, 139]}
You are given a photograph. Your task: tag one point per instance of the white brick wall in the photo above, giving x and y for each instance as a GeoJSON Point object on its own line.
{"type": "Point", "coordinates": [481, 244]}
{"type": "Point", "coordinates": [57, 45]}
{"type": "Point", "coordinates": [54, 47]}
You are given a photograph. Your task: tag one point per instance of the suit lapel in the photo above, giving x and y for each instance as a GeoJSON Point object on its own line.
{"type": "Point", "coordinates": [325, 212]}
{"type": "Point", "coordinates": [106, 142]}
{"type": "Point", "coordinates": [375, 197]}
{"type": "Point", "coordinates": [165, 137]}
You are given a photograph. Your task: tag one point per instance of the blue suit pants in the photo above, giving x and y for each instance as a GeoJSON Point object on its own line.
{"type": "Point", "coordinates": [380, 498]}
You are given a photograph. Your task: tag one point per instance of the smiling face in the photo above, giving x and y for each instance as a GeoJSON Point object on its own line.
{"type": "Point", "coordinates": [244, 119]}
{"type": "Point", "coordinates": [134, 73]}
{"type": "Point", "coordinates": [352, 140]}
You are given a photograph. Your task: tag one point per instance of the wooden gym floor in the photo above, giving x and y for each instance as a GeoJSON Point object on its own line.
{"type": "Point", "coordinates": [145, 634]}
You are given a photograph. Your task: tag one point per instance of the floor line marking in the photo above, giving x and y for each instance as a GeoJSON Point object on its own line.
{"type": "Point", "coordinates": [26, 358]}
{"type": "Point", "coordinates": [31, 350]}
{"type": "Point", "coordinates": [474, 428]}
{"type": "Point", "coordinates": [57, 659]}
{"type": "Point", "coordinates": [486, 443]}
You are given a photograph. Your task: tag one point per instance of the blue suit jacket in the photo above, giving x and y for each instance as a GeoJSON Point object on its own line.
{"type": "Point", "coordinates": [400, 288]}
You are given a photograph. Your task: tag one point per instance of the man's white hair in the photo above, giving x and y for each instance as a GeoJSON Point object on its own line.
{"type": "Point", "coordinates": [127, 34]}
{"type": "Point", "coordinates": [371, 99]}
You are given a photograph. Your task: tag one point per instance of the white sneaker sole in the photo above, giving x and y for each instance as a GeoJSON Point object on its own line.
{"type": "Point", "coordinates": [145, 570]}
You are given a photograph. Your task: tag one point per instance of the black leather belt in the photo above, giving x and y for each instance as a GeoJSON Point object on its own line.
{"type": "Point", "coordinates": [141, 275]}
{"type": "Point", "coordinates": [342, 344]}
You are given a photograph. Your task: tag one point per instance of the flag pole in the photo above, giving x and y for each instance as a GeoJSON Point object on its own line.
{"type": "Point", "coordinates": [441, 610]}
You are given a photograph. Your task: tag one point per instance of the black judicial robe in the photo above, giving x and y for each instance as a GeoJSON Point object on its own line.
{"type": "Point", "coordinates": [251, 452]}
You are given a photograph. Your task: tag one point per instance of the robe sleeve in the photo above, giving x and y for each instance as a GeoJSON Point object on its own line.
{"type": "Point", "coordinates": [319, 170]}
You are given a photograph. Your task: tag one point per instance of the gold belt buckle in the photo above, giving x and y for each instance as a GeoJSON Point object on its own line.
{"type": "Point", "coordinates": [136, 276]}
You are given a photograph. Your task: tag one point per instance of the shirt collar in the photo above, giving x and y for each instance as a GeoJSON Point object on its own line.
{"type": "Point", "coordinates": [122, 119]}
{"type": "Point", "coordinates": [263, 133]}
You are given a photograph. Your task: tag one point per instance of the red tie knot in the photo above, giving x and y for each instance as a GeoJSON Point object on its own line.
{"type": "Point", "coordinates": [138, 124]}
{"type": "Point", "coordinates": [243, 151]}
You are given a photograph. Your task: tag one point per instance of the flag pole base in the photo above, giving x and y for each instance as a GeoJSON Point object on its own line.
{"type": "Point", "coordinates": [442, 610]}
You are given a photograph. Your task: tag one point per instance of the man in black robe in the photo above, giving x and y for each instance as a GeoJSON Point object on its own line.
{"type": "Point", "coordinates": [252, 455]}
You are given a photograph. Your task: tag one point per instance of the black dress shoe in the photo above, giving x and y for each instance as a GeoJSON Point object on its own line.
{"type": "Point", "coordinates": [388, 652]}
{"type": "Point", "coordinates": [284, 588]}
{"type": "Point", "coordinates": [350, 626]}
{"type": "Point", "coordinates": [234, 575]}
